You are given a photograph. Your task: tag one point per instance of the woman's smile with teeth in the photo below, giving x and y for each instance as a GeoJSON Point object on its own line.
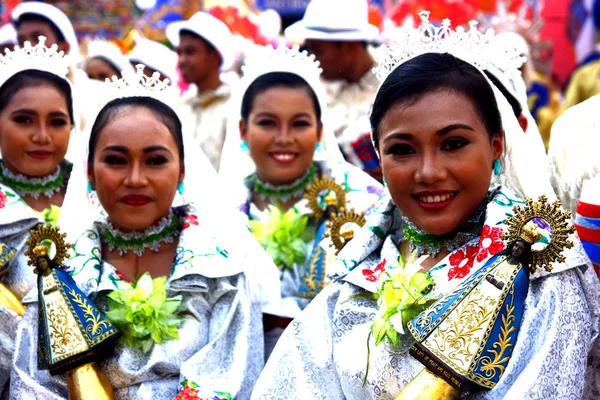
{"type": "Point", "coordinates": [436, 198]}
{"type": "Point", "coordinates": [283, 156]}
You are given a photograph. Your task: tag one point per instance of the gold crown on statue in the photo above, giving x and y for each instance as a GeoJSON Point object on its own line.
{"type": "Point", "coordinates": [263, 60]}
{"type": "Point", "coordinates": [530, 234]}
{"type": "Point", "coordinates": [138, 84]}
{"type": "Point", "coordinates": [470, 45]}
{"type": "Point", "coordinates": [38, 57]}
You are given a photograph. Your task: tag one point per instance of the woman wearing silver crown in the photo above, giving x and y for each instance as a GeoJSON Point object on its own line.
{"type": "Point", "coordinates": [456, 163]}
{"type": "Point", "coordinates": [36, 121]}
{"type": "Point", "coordinates": [158, 256]}
{"type": "Point", "coordinates": [284, 165]}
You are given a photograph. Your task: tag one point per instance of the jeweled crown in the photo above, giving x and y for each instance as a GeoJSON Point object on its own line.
{"type": "Point", "coordinates": [469, 45]}
{"type": "Point", "coordinates": [530, 234]}
{"type": "Point", "coordinates": [281, 59]}
{"type": "Point", "coordinates": [138, 84]}
{"type": "Point", "coordinates": [38, 57]}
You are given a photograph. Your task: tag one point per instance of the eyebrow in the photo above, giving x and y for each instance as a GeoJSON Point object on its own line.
{"type": "Point", "coordinates": [125, 150]}
{"type": "Point", "coordinates": [441, 132]}
{"type": "Point", "coordinates": [34, 113]}
{"type": "Point", "coordinates": [268, 114]}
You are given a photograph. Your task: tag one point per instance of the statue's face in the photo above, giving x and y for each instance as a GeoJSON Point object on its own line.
{"type": "Point", "coordinates": [518, 249]}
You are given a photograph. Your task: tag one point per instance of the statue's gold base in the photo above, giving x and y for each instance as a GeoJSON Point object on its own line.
{"type": "Point", "coordinates": [428, 386]}
{"type": "Point", "coordinates": [10, 301]}
{"type": "Point", "coordinates": [89, 382]}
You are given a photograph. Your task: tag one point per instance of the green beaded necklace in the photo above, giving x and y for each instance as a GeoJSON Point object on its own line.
{"type": "Point", "coordinates": [274, 194]}
{"type": "Point", "coordinates": [34, 187]}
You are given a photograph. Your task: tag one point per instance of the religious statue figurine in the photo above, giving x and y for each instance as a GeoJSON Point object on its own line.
{"type": "Point", "coordinates": [327, 201]}
{"type": "Point", "coordinates": [466, 338]}
{"type": "Point", "coordinates": [73, 333]}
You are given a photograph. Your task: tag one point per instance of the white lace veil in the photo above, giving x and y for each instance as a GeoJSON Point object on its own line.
{"type": "Point", "coordinates": [203, 188]}
{"type": "Point", "coordinates": [236, 164]}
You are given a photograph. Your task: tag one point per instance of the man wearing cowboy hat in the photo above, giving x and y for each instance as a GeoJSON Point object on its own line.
{"type": "Point", "coordinates": [32, 19]}
{"type": "Point", "coordinates": [204, 46]}
{"type": "Point", "coordinates": [337, 32]}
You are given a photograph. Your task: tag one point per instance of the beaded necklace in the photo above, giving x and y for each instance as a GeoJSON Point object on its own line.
{"type": "Point", "coordinates": [274, 194]}
{"type": "Point", "coordinates": [46, 186]}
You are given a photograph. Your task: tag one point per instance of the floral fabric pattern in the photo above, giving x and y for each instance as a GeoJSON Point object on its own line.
{"type": "Point", "coordinates": [491, 242]}
{"type": "Point", "coordinates": [462, 262]}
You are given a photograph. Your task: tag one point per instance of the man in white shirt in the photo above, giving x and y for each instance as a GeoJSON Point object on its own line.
{"type": "Point", "coordinates": [204, 46]}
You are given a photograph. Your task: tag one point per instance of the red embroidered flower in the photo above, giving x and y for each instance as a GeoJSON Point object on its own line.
{"type": "Point", "coordinates": [462, 262]}
{"type": "Point", "coordinates": [372, 276]}
{"type": "Point", "coordinates": [187, 393]}
{"type": "Point", "coordinates": [3, 199]}
{"type": "Point", "coordinates": [190, 220]}
{"type": "Point", "coordinates": [491, 242]}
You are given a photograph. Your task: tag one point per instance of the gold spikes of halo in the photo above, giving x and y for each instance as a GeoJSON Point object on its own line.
{"type": "Point", "coordinates": [35, 247]}
{"type": "Point", "coordinates": [320, 185]}
{"type": "Point", "coordinates": [555, 216]}
{"type": "Point", "coordinates": [338, 236]}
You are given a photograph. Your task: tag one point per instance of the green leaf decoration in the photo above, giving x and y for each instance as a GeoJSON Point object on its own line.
{"type": "Point", "coordinates": [284, 236]}
{"type": "Point", "coordinates": [400, 297]}
{"type": "Point", "coordinates": [144, 314]}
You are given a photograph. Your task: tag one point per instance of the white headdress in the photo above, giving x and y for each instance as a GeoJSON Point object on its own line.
{"type": "Point", "coordinates": [237, 164]}
{"type": "Point", "coordinates": [38, 57]}
{"type": "Point", "coordinates": [203, 187]}
{"type": "Point", "coordinates": [108, 52]}
{"type": "Point", "coordinates": [524, 163]}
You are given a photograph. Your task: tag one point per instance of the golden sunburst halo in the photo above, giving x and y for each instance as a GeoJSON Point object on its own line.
{"type": "Point", "coordinates": [338, 221]}
{"type": "Point", "coordinates": [47, 232]}
{"type": "Point", "coordinates": [556, 217]}
{"type": "Point", "coordinates": [320, 185]}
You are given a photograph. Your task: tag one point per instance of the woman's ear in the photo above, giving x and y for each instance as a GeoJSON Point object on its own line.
{"type": "Point", "coordinates": [182, 173]}
{"type": "Point", "coordinates": [243, 130]}
{"type": "Point", "coordinates": [90, 175]}
{"type": "Point", "coordinates": [319, 131]}
{"type": "Point", "coordinates": [497, 146]}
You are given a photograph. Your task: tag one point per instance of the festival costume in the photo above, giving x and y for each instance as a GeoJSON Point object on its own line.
{"type": "Point", "coordinates": [330, 350]}
{"type": "Point", "coordinates": [219, 349]}
{"type": "Point", "coordinates": [303, 278]}
{"type": "Point", "coordinates": [571, 152]}
{"type": "Point", "coordinates": [204, 114]}
{"type": "Point", "coordinates": [584, 84]}
{"type": "Point", "coordinates": [109, 53]}
{"type": "Point", "coordinates": [204, 118]}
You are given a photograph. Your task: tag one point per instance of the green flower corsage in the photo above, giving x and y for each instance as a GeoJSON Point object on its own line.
{"type": "Point", "coordinates": [143, 313]}
{"type": "Point", "coordinates": [284, 236]}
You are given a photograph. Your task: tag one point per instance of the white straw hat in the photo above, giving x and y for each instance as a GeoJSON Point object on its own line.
{"type": "Point", "coordinates": [337, 20]}
{"type": "Point", "coordinates": [156, 56]}
{"type": "Point", "coordinates": [56, 16]}
{"type": "Point", "coordinates": [210, 29]}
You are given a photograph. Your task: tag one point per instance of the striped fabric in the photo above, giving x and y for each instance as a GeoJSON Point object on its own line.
{"type": "Point", "coordinates": [587, 223]}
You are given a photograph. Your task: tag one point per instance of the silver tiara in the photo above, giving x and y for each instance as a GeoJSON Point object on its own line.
{"type": "Point", "coordinates": [138, 84]}
{"type": "Point", "coordinates": [264, 60]}
{"type": "Point", "coordinates": [38, 57]}
{"type": "Point", "coordinates": [472, 46]}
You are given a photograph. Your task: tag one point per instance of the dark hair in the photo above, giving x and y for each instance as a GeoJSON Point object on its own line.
{"type": "Point", "coordinates": [512, 100]}
{"type": "Point", "coordinates": [32, 78]}
{"type": "Point", "coordinates": [277, 80]}
{"type": "Point", "coordinates": [526, 257]}
{"type": "Point", "coordinates": [30, 17]}
{"type": "Point", "coordinates": [167, 116]}
{"type": "Point", "coordinates": [434, 72]}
